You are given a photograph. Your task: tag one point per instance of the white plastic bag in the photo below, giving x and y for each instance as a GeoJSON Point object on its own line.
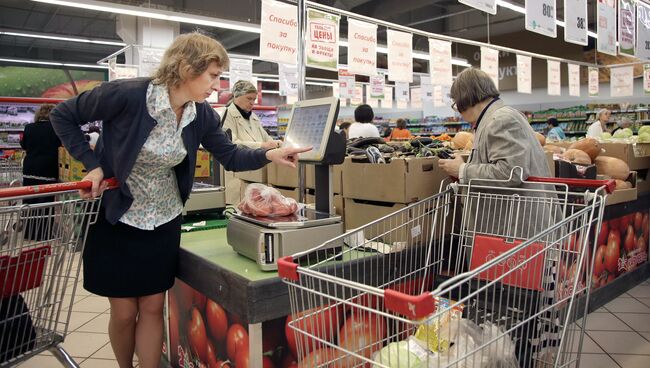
{"type": "Point", "coordinates": [264, 201]}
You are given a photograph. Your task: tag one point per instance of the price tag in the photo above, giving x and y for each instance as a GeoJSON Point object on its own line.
{"type": "Point", "coordinates": [540, 17]}
{"type": "Point", "coordinates": [642, 31]}
{"type": "Point", "coordinates": [606, 26]}
{"type": "Point", "coordinates": [488, 6]}
{"type": "Point", "coordinates": [575, 19]}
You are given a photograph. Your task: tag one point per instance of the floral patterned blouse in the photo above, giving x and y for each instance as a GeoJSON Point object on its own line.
{"type": "Point", "coordinates": [156, 199]}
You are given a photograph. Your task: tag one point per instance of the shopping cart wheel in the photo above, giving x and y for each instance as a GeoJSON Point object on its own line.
{"type": "Point", "coordinates": [63, 357]}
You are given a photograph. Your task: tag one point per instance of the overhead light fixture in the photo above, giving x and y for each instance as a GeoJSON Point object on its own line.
{"type": "Point", "coordinates": [155, 14]}
{"type": "Point", "coordinates": [271, 92]}
{"type": "Point", "coordinates": [61, 38]}
{"type": "Point", "coordinates": [54, 63]}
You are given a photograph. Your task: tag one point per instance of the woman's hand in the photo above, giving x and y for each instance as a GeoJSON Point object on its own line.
{"type": "Point", "coordinates": [286, 156]}
{"type": "Point", "coordinates": [452, 167]}
{"type": "Point", "coordinates": [271, 144]}
{"type": "Point", "coordinates": [95, 176]}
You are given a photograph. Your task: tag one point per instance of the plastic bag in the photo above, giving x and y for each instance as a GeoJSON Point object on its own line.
{"type": "Point", "coordinates": [437, 332]}
{"type": "Point", "coordinates": [494, 348]}
{"type": "Point", "coordinates": [263, 201]}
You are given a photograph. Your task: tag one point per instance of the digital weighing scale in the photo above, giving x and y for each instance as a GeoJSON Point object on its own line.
{"type": "Point", "coordinates": [205, 198]}
{"type": "Point", "coordinates": [267, 239]}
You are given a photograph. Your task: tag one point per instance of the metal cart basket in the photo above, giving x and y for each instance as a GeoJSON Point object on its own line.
{"type": "Point", "coordinates": [486, 274]}
{"type": "Point", "coordinates": [39, 267]}
{"type": "Point", "coordinates": [11, 172]}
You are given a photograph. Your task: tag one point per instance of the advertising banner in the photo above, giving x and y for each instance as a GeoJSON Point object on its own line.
{"type": "Point", "coordinates": [362, 47]}
{"type": "Point", "coordinates": [322, 46]}
{"type": "Point", "coordinates": [400, 56]}
{"type": "Point", "coordinates": [279, 32]}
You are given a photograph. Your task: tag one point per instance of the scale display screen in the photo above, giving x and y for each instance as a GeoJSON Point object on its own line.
{"type": "Point", "coordinates": [310, 125]}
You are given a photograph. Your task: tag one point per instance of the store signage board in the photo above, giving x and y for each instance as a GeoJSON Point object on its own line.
{"type": "Point", "coordinates": [371, 101]}
{"type": "Point", "coordinates": [346, 84]}
{"type": "Point", "coordinates": [540, 17]}
{"type": "Point", "coordinates": [488, 6]}
{"type": "Point", "coordinates": [427, 89]}
{"type": "Point", "coordinates": [402, 104]}
{"type": "Point", "coordinates": [336, 93]}
{"type": "Point", "coordinates": [440, 62]}
{"type": "Point", "coordinates": [626, 26]}
{"type": "Point", "coordinates": [150, 58]}
{"type": "Point", "coordinates": [646, 79]}
{"type": "Point", "coordinates": [288, 77]}
{"type": "Point", "coordinates": [279, 32]}
{"type": "Point", "coordinates": [524, 80]}
{"type": "Point", "coordinates": [574, 80]}
{"type": "Point", "coordinates": [400, 56]}
{"type": "Point", "coordinates": [240, 69]}
{"type": "Point", "coordinates": [322, 43]}
{"type": "Point", "coordinates": [357, 98]}
{"type": "Point", "coordinates": [606, 26]}
{"type": "Point", "coordinates": [376, 87]}
{"type": "Point", "coordinates": [575, 19]}
{"type": "Point", "coordinates": [553, 78]}
{"type": "Point", "coordinates": [622, 81]}
{"type": "Point", "coordinates": [642, 31]}
{"type": "Point", "coordinates": [362, 47]}
{"type": "Point", "coordinates": [593, 82]}
{"type": "Point", "coordinates": [402, 91]}
{"type": "Point", "coordinates": [490, 63]}
{"type": "Point", "coordinates": [387, 101]}
{"type": "Point", "coordinates": [438, 98]}
{"type": "Point", "coordinates": [416, 98]}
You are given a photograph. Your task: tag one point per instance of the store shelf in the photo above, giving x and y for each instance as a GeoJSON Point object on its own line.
{"type": "Point", "coordinates": [4, 146]}
{"type": "Point", "coordinates": [544, 120]}
{"type": "Point", "coordinates": [455, 123]}
{"type": "Point", "coordinates": [12, 129]}
{"type": "Point", "coordinates": [575, 133]}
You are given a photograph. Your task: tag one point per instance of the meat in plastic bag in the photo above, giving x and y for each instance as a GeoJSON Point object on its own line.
{"type": "Point", "coordinates": [264, 201]}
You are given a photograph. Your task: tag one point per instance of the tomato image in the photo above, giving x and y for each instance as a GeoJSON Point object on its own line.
{"type": "Point", "coordinates": [219, 364]}
{"type": "Point", "coordinates": [359, 334]}
{"type": "Point", "coordinates": [319, 357]}
{"type": "Point", "coordinates": [625, 221]}
{"type": "Point", "coordinates": [242, 360]}
{"type": "Point", "coordinates": [289, 362]}
{"type": "Point", "coordinates": [645, 223]}
{"type": "Point", "coordinates": [197, 335]}
{"type": "Point", "coordinates": [611, 277]}
{"type": "Point", "coordinates": [173, 328]}
{"type": "Point", "coordinates": [629, 243]}
{"type": "Point", "coordinates": [614, 224]}
{"type": "Point", "coordinates": [199, 300]}
{"type": "Point", "coordinates": [236, 340]}
{"type": "Point", "coordinates": [217, 320]}
{"type": "Point", "coordinates": [595, 281]}
{"type": "Point", "coordinates": [599, 262]}
{"type": "Point", "coordinates": [211, 353]}
{"type": "Point", "coordinates": [604, 232]}
{"type": "Point", "coordinates": [321, 322]}
{"type": "Point", "coordinates": [574, 243]}
{"type": "Point", "coordinates": [638, 221]}
{"type": "Point", "coordinates": [613, 252]}
{"type": "Point", "coordinates": [185, 295]}
{"type": "Point", "coordinates": [642, 244]}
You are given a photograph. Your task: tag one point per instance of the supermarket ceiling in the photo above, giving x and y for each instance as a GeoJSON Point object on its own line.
{"type": "Point", "coordinates": [438, 16]}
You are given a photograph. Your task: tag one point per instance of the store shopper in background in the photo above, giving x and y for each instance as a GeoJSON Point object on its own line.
{"type": "Point", "coordinates": [344, 129]}
{"type": "Point", "coordinates": [151, 132]}
{"type": "Point", "coordinates": [41, 145]}
{"type": "Point", "coordinates": [625, 122]}
{"type": "Point", "coordinates": [555, 133]}
{"type": "Point", "coordinates": [246, 130]}
{"type": "Point", "coordinates": [598, 127]}
{"type": "Point", "coordinates": [400, 133]}
{"type": "Point", "coordinates": [363, 126]}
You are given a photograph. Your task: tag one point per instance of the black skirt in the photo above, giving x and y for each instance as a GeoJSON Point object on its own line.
{"type": "Point", "coordinates": [122, 261]}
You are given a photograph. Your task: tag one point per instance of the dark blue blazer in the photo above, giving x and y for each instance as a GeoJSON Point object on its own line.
{"type": "Point", "coordinates": [122, 107]}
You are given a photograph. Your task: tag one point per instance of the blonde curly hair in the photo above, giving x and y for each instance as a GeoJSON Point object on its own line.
{"type": "Point", "coordinates": [189, 56]}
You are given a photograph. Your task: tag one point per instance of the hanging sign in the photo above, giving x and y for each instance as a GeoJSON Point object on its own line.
{"type": "Point", "coordinates": [400, 56]}
{"type": "Point", "coordinates": [279, 32]}
{"type": "Point", "coordinates": [387, 101]}
{"type": "Point", "coordinates": [357, 98]}
{"type": "Point", "coordinates": [621, 81]}
{"type": "Point", "coordinates": [642, 31]}
{"type": "Point", "coordinates": [524, 80]}
{"type": "Point", "coordinates": [574, 80]}
{"type": "Point", "coordinates": [121, 71]}
{"type": "Point", "coordinates": [553, 78]}
{"type": "Point", "coordinates": [488, 6]}
{"type": "Point", "coordinates": [575, 21]}
{"type": "Point", "coordinates": [346, 84]}
{"type": "Point", "coordinates": [376, 87]}
{"type": "Point", "coordinates": [490, 63]}
{"type": "Point", "coordinates": [606, 26]}
{"type": "Point", "coordinates": [402, 91]}
{"type": "Point", "coordinates": [416, 97]}
{"type": "Point", "coordinates": [402, 104]}
{"type": "Point", "coordinates": [626, 26]}
{"type": "Point", "coordinates": [362, 47]}
{"type": "Point", "coordinates": [440, 62]}
{"type": "Point", "coordinates": [646, 79]}
{"type": "Point", "coordinates": [240, 69]}
{"type": "Point", "coordinates": [288, 76]}
{"type": "Point", "coordinates": [438, 97]}
{"type": "Point", "coordinates": [336, 91]}
{"type": "Point", "coordinates": [593, 82]}
{"type": "Point", "coordinates": [371, 101]}
{"type": "Point", "coordinates": [322, 43]}
{"type": "Point", "coordinates": [150, 58]}
{"type": "Point", "coordinates": [427, 89]}
{"type": "Point", "coordinates": [540, 17]}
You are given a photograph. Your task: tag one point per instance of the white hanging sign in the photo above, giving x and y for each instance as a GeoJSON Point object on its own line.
{"type": "Point", "coordinates": [427, 89]}
{"type": "Point", "coordinates": [240, 69]}
{"type": "Point", "coordinates": [626, 26]}
{"type": "Point", "coordinates": [376, 87]}
{"type": "Point", "coordinates": [606, 26]}
{"type": "Point", "coordinates": [371, 101]}
{"type": "Point", "coordinates": [575, 19]}
{"type": "Point", "coordinates": [387, 101]}
{"type": "Point", "coordinates": [488, 6]}
{"type": "Point", "coordinates": [524, 80]}
{"type": "Point", "coordinates": [150, 58]}
{"type": "Point", "coordinates": [402, 91]}
{"type": "Point", "coordinates": [646, 79]}
{"type": "Point", "coordinates": [540, 17]}
{"type": "Point", "coordinates": [416, 97]}
{"type": "Point", "coordinates": [402, 104]}
{"type": "Point", "coordinates": [621, 81]}
{"type": "Point", "coordinates": [362, 47]}
{"type": "Point", "coordinates": [357, 98]}
{"type": "Point", "coordinates": [322, 42]}
{"type": "Point", "coordinates": [440, 62]}
{"type": "Point", "coordinates": [438, 98]}
{"type": "Point", "coordinates": [400, 56]}
{"type": "Point", "coordinates": [288, 77]}
{"type": "Point", "coordinates": [336, 92]}
{"type": "Point", "coordinates": [574, 80]}
{"type": "Point", "coordinates": [593, 82]}
{"type": "Point", "coordinates": [346, 84]}
{"type": "Point", "coordinates": [490, 63]}
{"type": "Point", "coordinates": [642, 31]}
{"type": "Point", "coordinates": [279, 32]}
{"type": "Point", "coordinates": [553, 78]}
{"type": "Point", "coordinates": [121, 71]}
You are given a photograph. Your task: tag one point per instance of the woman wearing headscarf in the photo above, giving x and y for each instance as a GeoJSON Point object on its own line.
{"type": "Point", "coordinates": [597, 128]}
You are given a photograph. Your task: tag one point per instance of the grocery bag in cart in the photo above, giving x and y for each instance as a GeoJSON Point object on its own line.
{"type": "Point", "coordinates": [471, 285]}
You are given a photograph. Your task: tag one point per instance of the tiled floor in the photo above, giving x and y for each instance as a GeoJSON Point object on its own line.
{"type": "Point", "coordinates": [617, 335]}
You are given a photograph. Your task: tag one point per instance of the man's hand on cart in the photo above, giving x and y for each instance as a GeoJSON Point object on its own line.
{"type": "Point", "coordinates": [286, 155]}
{"type": "Point", "coordinates": [452, 166]}
{"type": "Point", "coordinates": [95, 176]}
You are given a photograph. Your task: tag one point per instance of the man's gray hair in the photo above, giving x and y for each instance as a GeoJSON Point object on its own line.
{"type": "Point", "coordinates": [625, 122]}
{"type": "Point", "coordinates": [471, 87]}
{"type": "Point", "coordinates": [242, 88]}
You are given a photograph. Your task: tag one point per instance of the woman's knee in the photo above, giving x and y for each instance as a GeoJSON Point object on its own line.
{"type": "Point", "coordinates": [151, 305]}
{"type": "Point", "coordinates": [124, 310]}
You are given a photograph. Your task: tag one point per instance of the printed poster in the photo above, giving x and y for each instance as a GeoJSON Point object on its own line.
{"type": "Point", "coordinates": [490, 63]}
{"type": "Point", "coordinates": [402, 91]}
{"type": "Point", "coordinates": [622, 81]}
{"type": "Point", "coordinates": [346, 84]}
{"type": "Point", "coordinates": [371, 101]}
{"type": "Point", "coordinates": [575, 19]}
{"type": "Point", "coordinates": [438, 97]}
{"type": "Point", "coordinates": [606, 26]}
{"type": "Point", "coordinates": [288, 78]}
{"type": "Point", "coordinates": [400, 56]}
{"type": "Point", "coordinates": [553, 78]}
{"type": "Point", "coordinates": [626, 26]}
{"type": "Point", "coordinates": [322, 46]}
{"type": "Point", "coordinates": [488, 6]}
{"type": "Point", "coordinates": [387, 101]}
{"type": "Point", "coordinates": [362, 47]}
{"type": "Point", "coordinates": [646, 79]}
{"type": "Point", "coordinates": [574, 80]}
{"type": "Point", "coordinates": [440, 62]}
{"type": "Point", "coordinates": [376, 87]}
{"type": "Point", "coordinates": [279, 32]}
{"type": "Point", "coordinates": [427, 89]}
{"type": "Point", "coordinates": [121, 71]}
{"type": "Point", "coordinates": [524, 81]}
{"type": "Point", "coordinates": [593, 82]}
{"type": "Point", "coordinates": [643, 31]}
{"type": "Point", "coordinates": [357, 98]}
{"type": "Point", "coordinates": [240, 69]}
{"type": "Point", "coordinates": [416, 98]}
{"type": "Point", "coordinates": [540, 17]}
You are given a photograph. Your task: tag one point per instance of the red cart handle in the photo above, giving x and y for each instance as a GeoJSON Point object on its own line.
{"type": "Point", "coordinates": [610, 184]}
{"type": "Point", "coordinates": [53, 188]}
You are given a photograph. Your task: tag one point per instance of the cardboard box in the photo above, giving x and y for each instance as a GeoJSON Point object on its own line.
{"type": "Point", "coordinates": [643, 181]}
{"type": "Point", "coordinates": [359, 213]}
{"type": "Point", "coordinates": [638, 159]}
{"type": "Point", "coordinates": [339, 208]}
{"type": "Point", "coordinates": [564, 169]}
{"type": "Point", "coordinates": [337, 180]}
{"type": "Point", "coordinates": [282, 176]}
{"type": "Point", "coordinates": [253, 176]}
{"type": "Point", "coordinates": [289, 192]}
{"type": "Point", "coordinates": [203, 167]}
{"type": "Point", "coordinates": [623, 195]}
{"type": "Point", "coordinates": [403, 180]}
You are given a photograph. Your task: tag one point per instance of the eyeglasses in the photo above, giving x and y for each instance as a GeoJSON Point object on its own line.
{"type": "Point", "coordinates": [453, 107]}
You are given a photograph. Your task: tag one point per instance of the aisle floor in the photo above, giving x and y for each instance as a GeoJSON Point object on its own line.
{"type": "Point", "coordinates": [618, 334]}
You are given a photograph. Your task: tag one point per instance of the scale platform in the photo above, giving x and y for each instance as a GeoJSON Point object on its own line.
{"type": "Point", "coordinates": [266, 239]}
{"type": "Point", "coordinates": [205, 198]}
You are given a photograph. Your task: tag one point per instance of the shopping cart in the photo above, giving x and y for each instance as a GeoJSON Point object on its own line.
{"type": "Point", "coordinates": [39, 267]}
{"type": "Point", "coordinates": [486, 274]}
{"type": "Point", "coordinates": [11, 172]}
